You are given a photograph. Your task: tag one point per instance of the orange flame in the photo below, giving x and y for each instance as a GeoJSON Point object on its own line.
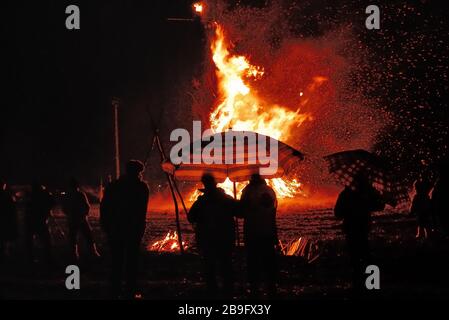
{"type": "Point", "coordinates": [169, 243]}
{"type": "Point", "coordinates": [240, 108]}
{"type": "Point", "coordinates": [198, 7]}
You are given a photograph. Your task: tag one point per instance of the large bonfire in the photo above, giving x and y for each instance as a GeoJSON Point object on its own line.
{"type": "Point", "coordinates": [239, 107]}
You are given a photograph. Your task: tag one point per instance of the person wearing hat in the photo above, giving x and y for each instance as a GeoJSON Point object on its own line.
{"type": "Point", "coordinates": [213, 217]}
{"type": "Point", "coordinates": [123, 218]}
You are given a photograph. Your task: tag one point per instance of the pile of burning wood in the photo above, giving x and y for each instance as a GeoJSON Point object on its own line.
{"type": "Point", "coordinates": [302, 247]}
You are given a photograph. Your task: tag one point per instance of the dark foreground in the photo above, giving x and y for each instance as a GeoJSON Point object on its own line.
{"type": "Point", "coordinates": [410, 268]}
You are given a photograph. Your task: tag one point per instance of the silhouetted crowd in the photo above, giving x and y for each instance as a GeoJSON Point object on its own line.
{"type": "Point", "coordinates": [123, 211]}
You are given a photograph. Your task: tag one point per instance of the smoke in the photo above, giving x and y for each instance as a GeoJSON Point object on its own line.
{"type": "Point", "coordinates": [318, 75]}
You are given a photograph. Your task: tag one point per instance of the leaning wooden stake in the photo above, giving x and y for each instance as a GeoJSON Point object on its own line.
{"type": "Point", "coordinates": [180, 196]}
{"type": "Point", "coordinates": [175, 201]}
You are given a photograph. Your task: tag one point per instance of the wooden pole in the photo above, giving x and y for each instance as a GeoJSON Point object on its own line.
{"type": "Point", "coordinates": [237, 232]}
{"type": "Point", "coordinates": [180, 196]}
{"type": "Point", "coordinates": [115, 104]}
{"type": "Point", "coordinates": [175, 201]}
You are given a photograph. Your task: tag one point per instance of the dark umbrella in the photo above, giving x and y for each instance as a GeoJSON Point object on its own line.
{"type": "Point", "coordinates": [347, 164]}
{"type": "Point", "coordinates": [287, 158]}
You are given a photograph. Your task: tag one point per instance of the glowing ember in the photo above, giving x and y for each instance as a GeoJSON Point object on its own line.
{"type": "Point", "coordinates": [169, 243]}
{"type": "Point", "coordinates": [198, 7]}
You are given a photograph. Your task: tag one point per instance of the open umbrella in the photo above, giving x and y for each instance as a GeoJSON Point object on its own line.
{"type": "Point", "coordinates": [347, 164]}
{"type": "Point", "coordinates": [244, 151]}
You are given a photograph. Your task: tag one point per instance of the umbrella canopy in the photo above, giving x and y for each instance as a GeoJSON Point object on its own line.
{"type": "Point", "coordinates": [240, 154]}
{"type": "Point", "coordinates": [347, 164]}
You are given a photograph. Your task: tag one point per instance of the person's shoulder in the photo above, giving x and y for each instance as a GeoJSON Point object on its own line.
{"type": "Point", "coordinates": [250, 187]}
{"type": "Point", "coordinates": [269, 189]}
{"type": "Point", "coordinates": [222, 193]}
{"type": "Point", "coordinates": [200, 199]}
{"type": "Point", "coordinates": [143, 184]}
{"type": "Point", "coordinates": [113, 184]}
{"type": "Point", "coordinates": [80, 193]}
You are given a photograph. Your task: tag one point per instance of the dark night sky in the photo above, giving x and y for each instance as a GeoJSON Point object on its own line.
{"type": "Point", "coordinates": [56, 117]}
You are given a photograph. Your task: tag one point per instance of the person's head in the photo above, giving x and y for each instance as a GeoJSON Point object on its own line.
{"type": "Point", "coordinates": [361, 181]}
{"type": "Point", "coordinates": [208, 181]}
{"type": "Point", "coordinates": [134, 168]}
{"type": "Point", "coordinates": [256, 179]}
{"type": "Point", "coordinates": [73, 184]}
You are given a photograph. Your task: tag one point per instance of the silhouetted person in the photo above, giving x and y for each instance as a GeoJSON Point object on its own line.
{"type": "Point", "coordinates": [8, 219]}
{"type": "Point", "coordinates": [421, 208]}
{"type": "Point", "coordinates": [38, 212]}
{"type": "Point", "coordinates": [355, 205]}
{"type": "Point", "coordinates": [440, 200]}
{"type": "Point", "coordinates": [76, 207]}
{"type": "Point", "coordinates": [213, 216]}
{"type": "Point", "coordinates": [123, 218]}
{"type": "Point", "coordinates": [259, 206]}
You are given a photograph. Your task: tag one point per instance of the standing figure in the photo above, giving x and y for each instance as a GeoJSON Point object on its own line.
{"type": "Point", "coordinates": [422, 208]}
{"type": "Point", "coordinates": [76, 207]}
{"type": "Point", "coordinates": [213, 217]}
{"type": "Point", "coordinates": [440, 201]}
{"type": "Point", "coordinates": [8, 219]}
{"type": "Point", "coordinates": [355, 205]}
{"type": "Point", "coordinates": [38, 211]}
{"type": "Point", "coordinates": [123, 218]}
{"type": "Point", "coordinates": [259, 206]}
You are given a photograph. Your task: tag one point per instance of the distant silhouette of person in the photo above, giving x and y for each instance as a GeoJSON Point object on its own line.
{"type": "Point", "coordinates": [8, 219]}
{"type": "Point", "coordinates": [123, 218]}
{"type": "Point", "coordinates": [76, 207]}
{"type": "Point", "coordinates": [421, 208]}
{"type": "Point", "coordinates": [38, 211]}
{"type": "Point", "coordinates": [355, 205]}
{"type": "Point", "coordinates": [440, 200]}
{"type": "Point", "coordinates": [213, 216]}
{"type": "Point", "coordinates": [259, 206]}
